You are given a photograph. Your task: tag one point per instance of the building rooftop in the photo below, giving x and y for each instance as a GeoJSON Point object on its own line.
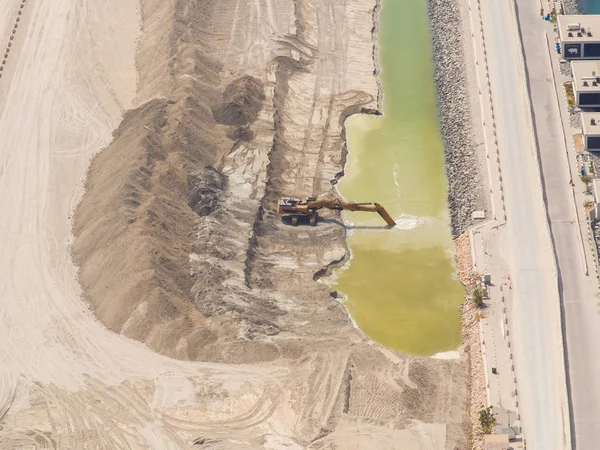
{"type": "Point", "coordinates": [596, 189]}
{"type": "Point", "coordinates": [581, 28]}
{"type": "Point", "coordinates": [586, 75]}
{"type": "Point", "coordinates": [590, 123]}
{"type": "Point", "coordinates": [495, 442]}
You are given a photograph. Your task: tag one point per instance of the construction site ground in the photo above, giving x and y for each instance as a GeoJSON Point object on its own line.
{"type": "Point", "coordinates": [151, 297]}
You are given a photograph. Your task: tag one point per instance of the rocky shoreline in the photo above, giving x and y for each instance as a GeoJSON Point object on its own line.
{"type": "Point", "coordinates": [464, 185]}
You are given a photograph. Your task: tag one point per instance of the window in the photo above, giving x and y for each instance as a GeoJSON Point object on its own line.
{"type": "Point", "coordinates": [591, 50]}
{"type": "Point", "coordinates": [593, 143]}
{"type": "Point", "coordinates": [589, 98]}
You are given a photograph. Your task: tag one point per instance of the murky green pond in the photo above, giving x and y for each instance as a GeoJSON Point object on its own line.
{"type": "Point", "coordinates": [400, 284]}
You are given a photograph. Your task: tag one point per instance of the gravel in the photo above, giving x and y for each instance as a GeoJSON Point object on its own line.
{"type": "Point", "coordinates": [571, 7]}
{"type": "Point", "coordinates": [575, 118]}
{"type": "Point", "coordinates": [454, 110]}
{"type": "Point", "coordinates": [565, 68]}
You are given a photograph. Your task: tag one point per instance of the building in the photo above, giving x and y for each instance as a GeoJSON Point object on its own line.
{"type": "Point", "coordinates": [586, 83]}
{"type": "Point", "coordinates": [495, 442]}
{"type": "Point", "coordinates": [590, 124]}
{"type": "Point", "coordinates": [596, 189]}
{"type": "Point", "coordinates": [579, 36]}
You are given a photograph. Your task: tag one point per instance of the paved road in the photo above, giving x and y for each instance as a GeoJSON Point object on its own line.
{"type": "Point", "coordinates": [527, 245]}
{"type": "Point", "coordinates": [582, 321]}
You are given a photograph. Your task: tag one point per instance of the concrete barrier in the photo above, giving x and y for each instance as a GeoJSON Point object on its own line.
{"type": "Point", "coordinates": [12, 34]}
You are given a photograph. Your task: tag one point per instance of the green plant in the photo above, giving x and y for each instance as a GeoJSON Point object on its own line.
{"type": "Point", "coordinates": [588, 204]}
{"type": "Point", "coordinates": [587, 179]}
{"type": "Point", "coordinates": [487, 420]}
{"type": "Point", "coordinates": [570, 95]}
{"type": "Point", "coordinates": [478, 298]}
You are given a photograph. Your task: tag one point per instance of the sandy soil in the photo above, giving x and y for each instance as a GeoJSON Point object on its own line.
{"type": "Point", "coordinates": [471, 349]}
{"type": "Point", "coordinates": [230, 104]}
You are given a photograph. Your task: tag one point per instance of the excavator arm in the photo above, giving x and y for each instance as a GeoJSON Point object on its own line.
{"type": "Point", "coordinates": [372, 207]}
{"type": "Point", "coordinates": [350, 206]}
{"type": "Point", "coordinates": [308, 208]}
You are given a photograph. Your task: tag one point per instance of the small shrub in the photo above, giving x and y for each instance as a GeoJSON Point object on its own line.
{"type": "Point", "coordinates": [478, 298]}
{"type": "Point", "coordinates": [487, 420]}
{"type": "Point", "coordinates": [587, 179]}
{"type": "Point", "coordinates": [570, 95]}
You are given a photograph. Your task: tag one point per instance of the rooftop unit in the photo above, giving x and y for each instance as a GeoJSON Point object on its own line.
{"type": "Point", "coordinates": [578, 37]}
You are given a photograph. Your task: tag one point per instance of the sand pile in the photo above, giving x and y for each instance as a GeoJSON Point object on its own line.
{"type": "Point", "coordinates": [177, 238]}
{"type": "Point", "coordinates": [133, 227]}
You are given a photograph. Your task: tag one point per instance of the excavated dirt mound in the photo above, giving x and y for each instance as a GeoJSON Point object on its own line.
{"type": "Point", "coordinates": [177, 237]}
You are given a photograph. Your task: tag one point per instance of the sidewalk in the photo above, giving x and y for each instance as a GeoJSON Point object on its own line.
{"type": "Point", "coordinates": [579, 197]}
{"type": "Point", "coordinates": [495, 339]}
{"type": "Point", "coordinates": [579, 284]}
{"type": "Point", "coordinates": [501, 387]}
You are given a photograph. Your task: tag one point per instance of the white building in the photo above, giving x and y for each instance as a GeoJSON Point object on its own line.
{"type": "Point", "coordinates": [579, 36]}
{"type": "Point", "coordinates": [586, 83]}
{"type": "Point", "coordinates": [495, 442]}
{"type": "Point", "coordinates": [590, 124]}
{"type": "Point", "coordinates": [596, 190]}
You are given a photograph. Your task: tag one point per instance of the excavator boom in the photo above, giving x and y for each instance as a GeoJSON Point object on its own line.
{"type": "Point", "coordinates": [295, 208]}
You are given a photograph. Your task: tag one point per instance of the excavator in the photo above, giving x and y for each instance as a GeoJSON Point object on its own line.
{"type": "Point", "coordinates": [296, 208]}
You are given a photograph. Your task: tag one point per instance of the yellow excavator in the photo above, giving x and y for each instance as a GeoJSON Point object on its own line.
{"type": "Point", "coordinates": [297, 208]}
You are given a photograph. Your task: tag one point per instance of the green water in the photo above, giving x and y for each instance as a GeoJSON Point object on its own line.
{"type": "Point", "coordinates": [400, 284]}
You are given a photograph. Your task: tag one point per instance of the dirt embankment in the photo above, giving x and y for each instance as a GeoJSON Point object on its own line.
{"type": "Point", "coordinates": [471, 348]}
{"type": "Point", "coordinates": [177, 238]}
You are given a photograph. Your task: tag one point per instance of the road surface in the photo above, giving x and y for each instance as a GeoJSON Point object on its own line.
{"type": "Point", "coordinates": [526, 245]}
{"type": "Point", "coordinates": [582, 320]}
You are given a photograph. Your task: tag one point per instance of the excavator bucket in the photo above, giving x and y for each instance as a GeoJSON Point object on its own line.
{"type": "Point", "coordinates": [384, 215]}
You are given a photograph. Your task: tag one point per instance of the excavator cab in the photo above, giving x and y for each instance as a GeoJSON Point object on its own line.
{"type": "Point", "coordinates": [293, 209]}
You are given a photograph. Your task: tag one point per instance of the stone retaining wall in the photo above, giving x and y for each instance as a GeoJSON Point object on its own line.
{"type": "Point", "coordinates": [462, 168]}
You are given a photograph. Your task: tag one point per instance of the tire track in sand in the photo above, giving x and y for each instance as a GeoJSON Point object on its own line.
{"type": "Point", "coordinates": [64, 376]}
